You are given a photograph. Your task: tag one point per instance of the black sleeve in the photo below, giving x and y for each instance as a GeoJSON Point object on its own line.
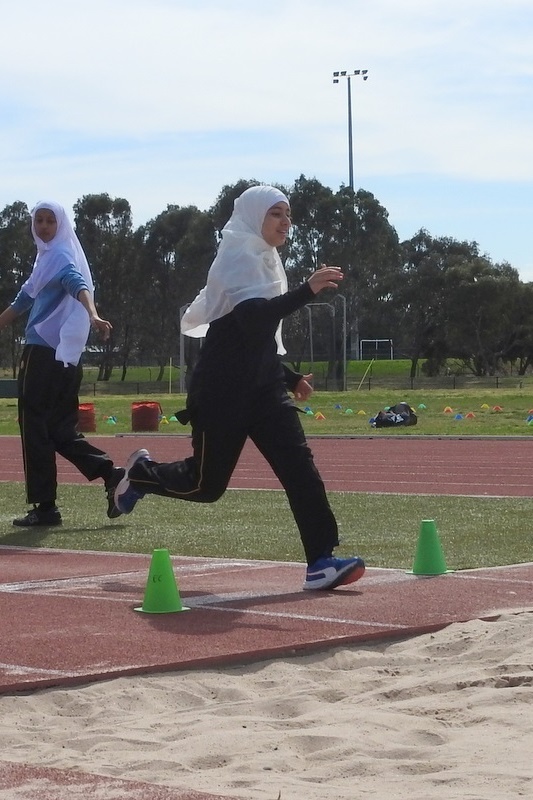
{"type": "Point", "coordinates": [258, 313]}
{"type": "Point", "coordinates": [291, 378]}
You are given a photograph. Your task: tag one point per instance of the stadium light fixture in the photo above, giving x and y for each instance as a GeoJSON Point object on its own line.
{"type": "Point", "coordinates": [360, 73]}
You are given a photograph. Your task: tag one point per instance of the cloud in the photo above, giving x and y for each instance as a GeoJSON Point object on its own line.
{"type": "Point", "coordinates": [168, 101]}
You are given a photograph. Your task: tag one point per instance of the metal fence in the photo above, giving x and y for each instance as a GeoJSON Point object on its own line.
{"type": "Point", "coordinates": [445, 383]}
{"type": "Point", "coordinates": [323, 383]}
{"type": "Point", "coordinates": [88, 389]}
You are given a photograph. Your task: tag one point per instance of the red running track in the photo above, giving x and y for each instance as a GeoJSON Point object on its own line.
{"type": "Point", "coordinates": [404, 465]}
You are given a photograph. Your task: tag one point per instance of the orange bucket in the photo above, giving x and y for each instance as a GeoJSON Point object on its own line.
{"type": "Point", "coordinates": [145, 416]}
{"type": "Point", "coordinates": [86, 418]}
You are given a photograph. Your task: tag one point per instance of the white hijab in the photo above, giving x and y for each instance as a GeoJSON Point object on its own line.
{"type": "Point", "coordinates": [245, 266]}
{"type": "Point", "coordinates": [67, 328]}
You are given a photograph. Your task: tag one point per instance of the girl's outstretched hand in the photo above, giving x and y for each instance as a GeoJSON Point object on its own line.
{"type": "Point", "coordinates": [325, 277]}
{"type": "Point", "coordinates": [303, 388]}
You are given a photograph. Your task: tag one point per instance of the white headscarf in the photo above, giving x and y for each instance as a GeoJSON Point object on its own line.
{"type": "Point", "coordinates": [245, 266]}
{"type": "Point", "coordinates": [67, 328]}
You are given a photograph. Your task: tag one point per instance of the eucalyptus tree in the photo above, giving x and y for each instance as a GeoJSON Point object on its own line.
{"type": "Point", "coordinates": [17, 254]}
{"type": "Point", "coordinates": [482, 300]}
{"type": "Point", "coordinates": [420, 298]}
{"type": "Point", "coordinates": [373, 254]}
{"type": "Point", "coordinates": [104, 227]}
{"type": "Point", "coordinates": [455, 303]}
{"type": "Point", "coordinates": [519, 351]}
{"type": "Point", "coordinates": [175, 252]}
{"type": "Point", "coordinates": [312, 331]}
{"type": "Point", "coordinates": [351, 231]}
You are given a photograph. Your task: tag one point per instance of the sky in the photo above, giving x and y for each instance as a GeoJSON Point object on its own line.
{"type": "Point", "coordinates": [164, 102]}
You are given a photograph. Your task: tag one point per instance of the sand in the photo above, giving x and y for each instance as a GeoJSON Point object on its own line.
{"type": "Point", "coordinates": [443, 715]}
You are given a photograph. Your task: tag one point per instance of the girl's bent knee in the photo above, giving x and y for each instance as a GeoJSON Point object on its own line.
{"type": "Point", "coordinates": [211, 494]}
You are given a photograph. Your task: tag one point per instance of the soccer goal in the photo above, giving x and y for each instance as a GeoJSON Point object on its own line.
{"type": "Point", "coordinates": [377, 349]}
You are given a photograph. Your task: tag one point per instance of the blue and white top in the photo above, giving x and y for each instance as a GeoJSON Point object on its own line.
{"type": "Point", "coordinates": [60, 271]}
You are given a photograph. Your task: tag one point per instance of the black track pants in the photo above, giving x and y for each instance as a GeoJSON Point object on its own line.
{"type": "Point", "coordinates": [48, 415]}
{"type": "Point", "coordinates": [217, 445]}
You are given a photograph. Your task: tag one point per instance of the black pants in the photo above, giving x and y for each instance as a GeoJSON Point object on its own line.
{"type": "Point", "coordinates": [48, 415]}
{"type": "Point", "coordinates": [217, 442]}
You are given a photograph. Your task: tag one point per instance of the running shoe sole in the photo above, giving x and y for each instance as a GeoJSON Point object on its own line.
{"type": "Point", "coordinates": [349, 574]}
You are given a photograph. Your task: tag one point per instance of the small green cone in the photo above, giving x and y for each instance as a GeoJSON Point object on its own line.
{"type": "Point", "coordinates": [429, 558]}
{"type": "Point", "coordinates": [161, 595]}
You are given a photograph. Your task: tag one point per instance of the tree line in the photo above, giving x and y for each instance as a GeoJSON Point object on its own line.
{"type": "Point", "coordinates": [436, 298]}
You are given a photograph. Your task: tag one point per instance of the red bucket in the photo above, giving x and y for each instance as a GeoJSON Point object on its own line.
{"type": "Point", "coordinates": [86, 418]}
{"type": "Point", "coordinates": [145, 416]}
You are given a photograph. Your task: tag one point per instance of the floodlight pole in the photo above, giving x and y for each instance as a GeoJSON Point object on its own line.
{"type": "Point", "coordinates": [363, 73]}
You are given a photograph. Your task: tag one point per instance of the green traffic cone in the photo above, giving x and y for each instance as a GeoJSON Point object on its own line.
{"type": "Point", "coordinates": [429, 558]}
{"type": "Point", "coordinates": [161, 595]}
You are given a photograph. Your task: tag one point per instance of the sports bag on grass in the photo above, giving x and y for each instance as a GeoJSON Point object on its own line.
{"type": "Point", "coordinates": [400, 414]}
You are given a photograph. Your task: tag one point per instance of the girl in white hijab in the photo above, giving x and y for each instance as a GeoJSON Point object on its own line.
{"type": "Point", "coordinates": [239, 387]}
{"type": "Point", "coordinates": [246, 266]}
{"type": "Point", "coordinates": [65, 328]}
{"type": "Point", "coordinates": [59, 297]}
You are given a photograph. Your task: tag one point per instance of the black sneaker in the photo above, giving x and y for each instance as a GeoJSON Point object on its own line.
{"type": "Point", "coordinates": [110, 485]}
{"type": "Point", "coordinates": [43, 518]}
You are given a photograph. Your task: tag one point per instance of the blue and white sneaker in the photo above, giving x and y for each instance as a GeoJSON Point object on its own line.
{"type": "Point", "coordinates": [126, 496]}
{"type": "Point", "coordinates": [330, 572]}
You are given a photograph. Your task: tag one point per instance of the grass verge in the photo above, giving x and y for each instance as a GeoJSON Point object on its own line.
{"type": "Point", "coordinates": [503, 412]}
{"type": "Point", "coordinates": [384, 529]}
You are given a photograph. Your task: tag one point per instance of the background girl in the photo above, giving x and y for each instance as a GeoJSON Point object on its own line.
{"type": "Point", "coordinates": [59, 297]}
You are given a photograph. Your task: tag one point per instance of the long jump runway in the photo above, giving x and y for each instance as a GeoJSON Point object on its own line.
{"type": "Point", "coordinates": [69, 618]}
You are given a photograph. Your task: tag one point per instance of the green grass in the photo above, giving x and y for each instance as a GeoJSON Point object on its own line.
{"type": "Point", "coordinates": [384, 529]}
{"type": "Point", "coordinates": [345, 413]}
{"type": "Point", "coordinates": [433, 411]}
{"type": "Point", "coordinates": [475, 532]}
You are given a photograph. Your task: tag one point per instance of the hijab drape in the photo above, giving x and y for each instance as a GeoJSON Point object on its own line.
{"type": "Point", "coordinates": [245, 266]}
{"type": "Point", "coordinates": [67, 328]}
